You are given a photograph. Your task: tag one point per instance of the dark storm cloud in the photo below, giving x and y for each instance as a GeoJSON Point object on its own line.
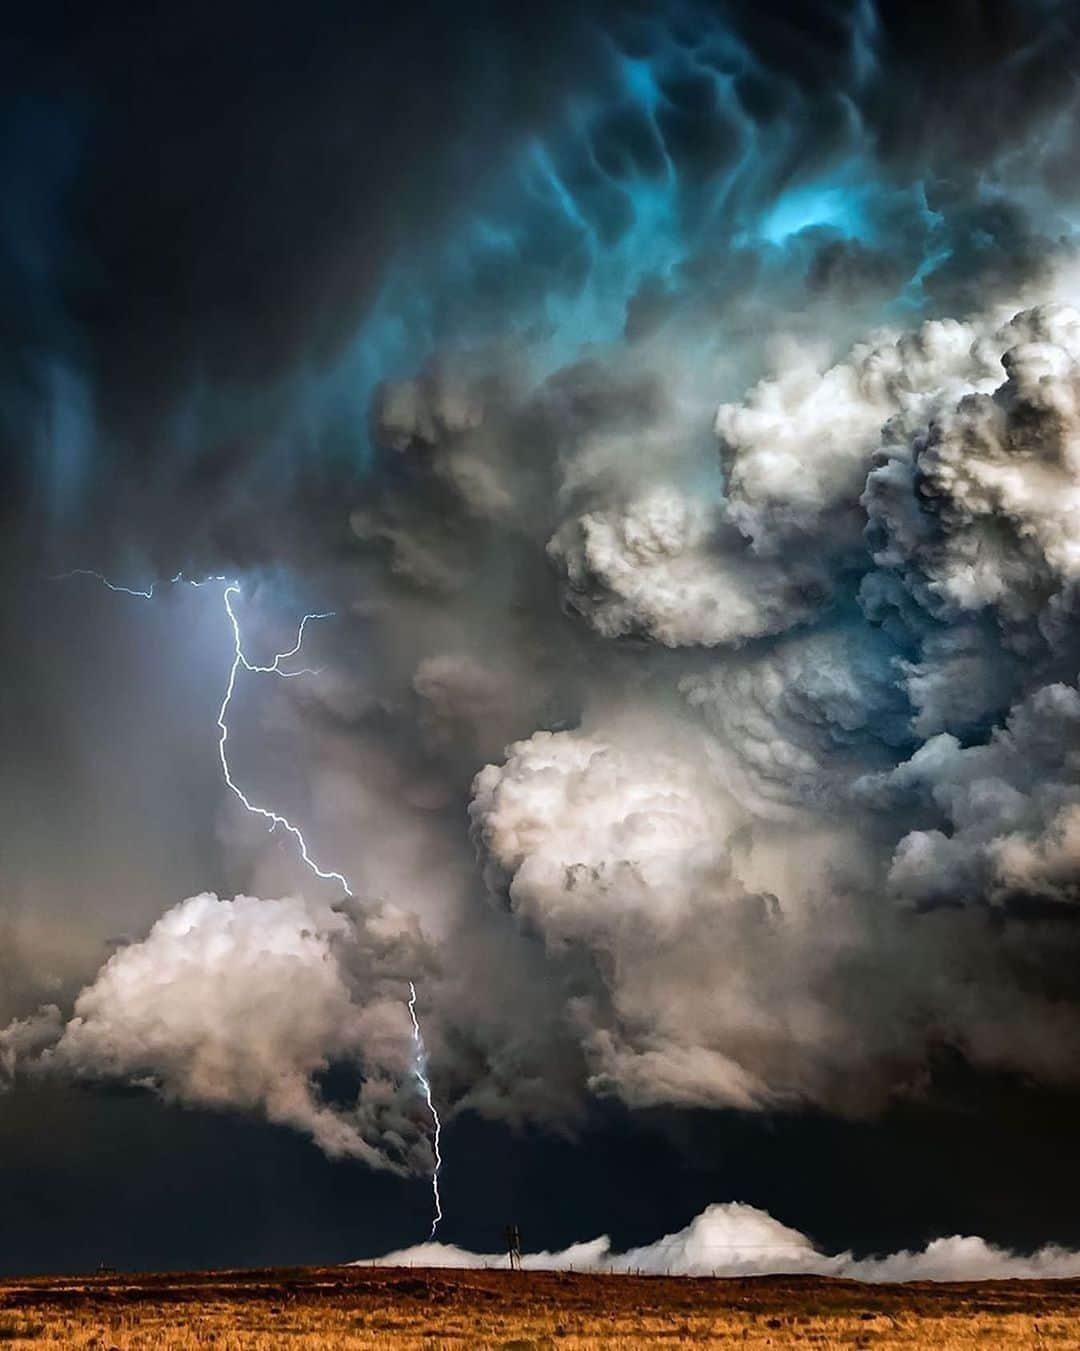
{"type": "Point", "coordinates": [678, 409]}
{"type": "Point", "coordinates": [214, 195]}
{"type": "Point", "coordinates": [210, 197]}
{"type": "Point", "coordinates": [239, 206]}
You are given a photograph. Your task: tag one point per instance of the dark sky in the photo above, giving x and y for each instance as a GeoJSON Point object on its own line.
{"type": "Point", "coordinates": [134, 1184]}
{"type": "Point", "coordinates": [422, 314]}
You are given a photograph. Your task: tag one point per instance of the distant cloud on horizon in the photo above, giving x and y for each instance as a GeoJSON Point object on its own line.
{"type": "Point", "coordinates": [732, 1239]}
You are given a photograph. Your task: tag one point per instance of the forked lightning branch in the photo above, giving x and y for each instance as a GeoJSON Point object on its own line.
{"type": "Point", "coordinates": [240, 662]}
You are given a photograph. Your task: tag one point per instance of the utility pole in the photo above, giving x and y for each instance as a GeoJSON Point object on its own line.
{"type": "Point", "coordinates": [513, 1246]}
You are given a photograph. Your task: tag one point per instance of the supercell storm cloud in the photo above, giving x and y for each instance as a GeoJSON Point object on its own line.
{"type": "Point", "coordinates": [679, 409]}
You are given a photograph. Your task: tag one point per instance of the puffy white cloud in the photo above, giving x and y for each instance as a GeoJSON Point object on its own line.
{"type": "Point", "coordinates": [1007, 808]}
{"type": "Point", "coordinates": [25, 1038]}
{"type": "Point", "coordinates": [668, 566]}
{"type": "Point", "coordinates": [244, 1004]}
{"type": "Point", "coordinates": [739, 1240]}
{"type": "Point", "coordinates": [698, 989]}
{"type": "Point", "coordinates": [798, 445]}
{"type": "Point", "coordinates": [589, 834]}
{"type": "Point", "coordinates": [965, 1258]}
{"type": "Point", "coordinates": [623, 853]}
{"type": "Point", "coordinates": [980, 509]}
{"type": "Point", "coordinates": [717, 947]}
{"type": "Point", "coordinates": [684, 565]}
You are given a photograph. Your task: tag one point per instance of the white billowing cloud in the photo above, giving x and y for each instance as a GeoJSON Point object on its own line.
{"type": "Point", "coordinates": [591, 834]}
{"type": "Point", "coordinates": [739, 1240]}
{"type": "Point", "coordinates": [687, 567]}
{"type": "Point", "coordinates": [1008, 808]}
{"type": "Point", "coordinates": [698, 990]}
{"type": "Point", "coordinates": [965, 1258]}
{"type": "Point", "coordinates": [243, 1004]}
{"type": "Point", "coordinates": [25, 1038]}
{"type": "Point", "coordinates": [967, 441]}
{"type": "Point", "coordinates": [622, 852]}
{"type": "Point", "coordinates": [799, 444]}
{"type": "Point", "coordinates": [1044, 862]}
{"type": "Point", "coordinates": [710, 955]}
{"type": "Point", "coordinates": [731, 1239]}
{"type": "Point", "coordinates": [982, 509]}
{"type": "Point", "coordinates": [668, 566]}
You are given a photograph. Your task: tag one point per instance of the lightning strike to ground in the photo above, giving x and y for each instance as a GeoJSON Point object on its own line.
{"type": "Point", "coordinates": [241, 662]}
{"type": "Point", "coordinates": [422, 1079]}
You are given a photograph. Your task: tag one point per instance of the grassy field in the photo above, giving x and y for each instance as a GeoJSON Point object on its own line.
{"type": "Point", "coordinates": [343, 1307]}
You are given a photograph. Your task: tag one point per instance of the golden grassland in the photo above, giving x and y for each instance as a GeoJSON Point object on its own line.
{"type": "Point", "coordinates": [365, 1309]}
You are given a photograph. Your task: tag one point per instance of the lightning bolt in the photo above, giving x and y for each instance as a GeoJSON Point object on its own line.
{"type": "Point", "coordinates": [240, 661]}
{"type": "Point", "coordinates": [422, 1080]}
{"type": "Point", "coordinates": [120, 590]}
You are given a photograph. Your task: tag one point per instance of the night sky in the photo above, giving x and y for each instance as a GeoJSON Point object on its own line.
{"type": "Point", "coordinates": [668, 417]}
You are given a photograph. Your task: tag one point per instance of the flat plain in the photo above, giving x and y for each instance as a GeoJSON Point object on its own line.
{"type": "Point", "coordinates": [384, 1309]}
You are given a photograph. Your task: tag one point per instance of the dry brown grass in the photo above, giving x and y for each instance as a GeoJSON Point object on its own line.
{"type": "Point", "coordinates": [362, 1309]}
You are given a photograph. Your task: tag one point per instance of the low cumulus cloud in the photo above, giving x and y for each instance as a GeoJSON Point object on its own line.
{"type": "Point", "coordinates": [738, 1240]}
{"type": "Point", "coordinates": [247, 1004]}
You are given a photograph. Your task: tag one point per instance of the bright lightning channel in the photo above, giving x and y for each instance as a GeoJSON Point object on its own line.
{"type": "Point", "coordinates": [422, 1079]}
{"type": "Point", "coordinates": [241, 662]}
